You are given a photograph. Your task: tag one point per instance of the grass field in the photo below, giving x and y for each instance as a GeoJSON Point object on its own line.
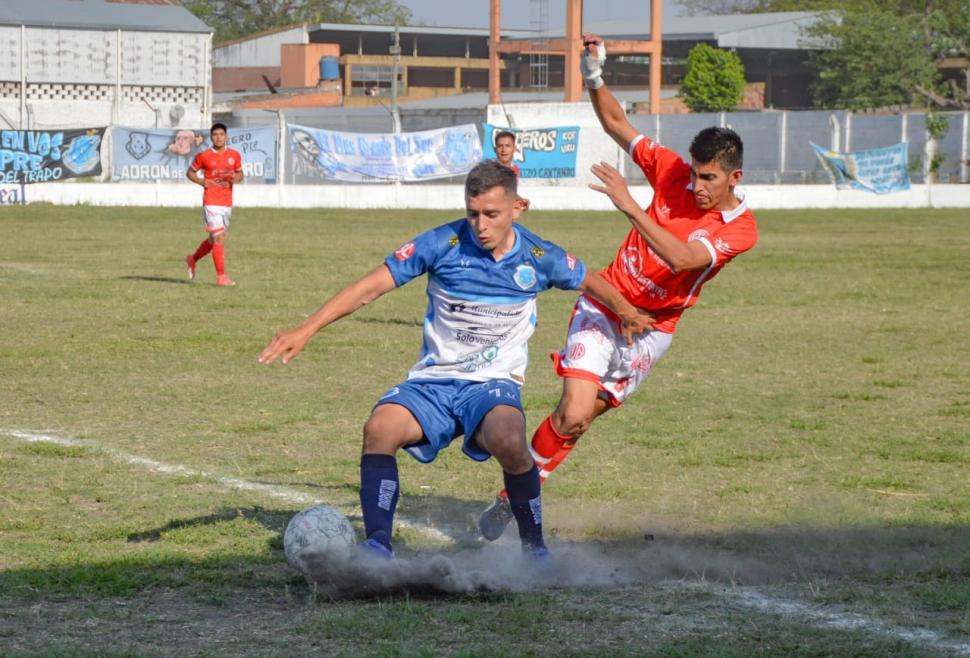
{"type": "Point", "coordinates": [793, 479]}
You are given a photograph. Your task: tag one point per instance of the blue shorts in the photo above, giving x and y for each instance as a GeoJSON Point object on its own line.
{"type": "Point", "coordinates": [448, 408]}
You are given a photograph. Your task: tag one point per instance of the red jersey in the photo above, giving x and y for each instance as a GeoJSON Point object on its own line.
{"type": "Point", "coordinates": [218, 165]}
{"type": "Point", "coordinates": [640, 274]}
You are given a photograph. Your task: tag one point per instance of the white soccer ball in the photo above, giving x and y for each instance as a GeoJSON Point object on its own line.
{"type": "Point", "coordinates": [319, 535]}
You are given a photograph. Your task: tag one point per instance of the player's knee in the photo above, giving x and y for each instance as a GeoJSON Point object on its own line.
{"type": "Point", "coordinates": [574, 422]}
{"type": "Point", "coordinates": [379, 434]}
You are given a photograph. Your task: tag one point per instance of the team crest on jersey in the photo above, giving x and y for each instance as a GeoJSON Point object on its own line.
{"type": "Point", "coordinates": [405, 252]}
{"type": "Point", "coordinates": [525, 276]}
{"type": "Point", "coordinates": [232, 160]}
{"type": "Point", "coordinates": [570, 262]}
{"type": "Point", "coordinates": [698, 234]}
{"type": "Point", "coordinates": [453, 241]}
{"type": "Point", "coordinates": [538, 252]}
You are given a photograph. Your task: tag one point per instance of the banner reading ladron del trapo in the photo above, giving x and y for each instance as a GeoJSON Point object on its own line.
{"type": "Point", "coordinates": [148, 155]}
{"type": "Point", "coordinates": [540, 152]}
{"type": "Point", "coordinates": [381, 157]}
{"type": "Point", "coordinates": [877, 170]}
{"type": "Point", "coordinates": [42, 156]}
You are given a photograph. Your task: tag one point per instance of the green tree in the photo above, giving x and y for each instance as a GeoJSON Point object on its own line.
{"type": "Point", "coordinates": [231, 19]}
{"type": "Point", "coordinates": [714, 81]}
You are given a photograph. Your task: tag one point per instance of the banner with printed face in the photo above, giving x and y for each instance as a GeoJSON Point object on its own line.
{"type": "Point", "coordinates": [149, 155]}
{"type": "Point", "coordinates": [539, 152]}
{"type": "Point", "coordinates": [381, 157]}
{"type": "Point", "coordinates": [41, 156]}
{"type": "Point", "coordinates": [878, 170]}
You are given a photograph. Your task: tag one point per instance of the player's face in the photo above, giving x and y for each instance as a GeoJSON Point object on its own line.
{"type": "Point", "coordinates": [713, 187]}
{"type": "Point", "coordinates": [218, 139]}
{"type": "Point", "coordinates": [491, 215]}
{"type": "Point", "coordinates": [504, 149]}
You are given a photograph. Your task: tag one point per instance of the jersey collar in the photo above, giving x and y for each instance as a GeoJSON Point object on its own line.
{"type": "Point", "coordinates": [730, 215]}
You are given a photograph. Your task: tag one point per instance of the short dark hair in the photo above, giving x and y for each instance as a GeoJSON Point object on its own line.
{"type": "Point", "coordinates": [504, 133]}
{"type": "Point", "coordinates": [218, 126]}
{"type": "Point", "coordinates": [722, 145]}
{"type": "Point", "coordinates": [488, 174]}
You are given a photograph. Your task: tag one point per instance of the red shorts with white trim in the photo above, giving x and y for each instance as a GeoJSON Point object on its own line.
{"type": "Point", "coordinates": [216, 218]}
{"type": "Point", "coordinates": [596, 350]}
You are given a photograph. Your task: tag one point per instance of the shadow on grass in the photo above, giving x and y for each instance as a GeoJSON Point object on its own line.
{"type": "Point", "coordinates": [157, 279]}
{"type": "Point", "coordinates": [171, 558]}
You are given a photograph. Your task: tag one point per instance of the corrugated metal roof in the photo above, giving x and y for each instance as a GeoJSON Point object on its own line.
{"type": "Point", "coordinates": [778, 30]}
{"type": "Point", "coordinates": [418, 29]}
{"type": "Point", "coordinates": [101, 15]}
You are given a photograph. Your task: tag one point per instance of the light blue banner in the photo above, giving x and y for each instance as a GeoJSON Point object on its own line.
{"type": "Point", "coordinates": [540, 152]}
{"type": "Point", "coordinates": [147, 155]}
{"type": "Point", "coordinates": [878, 170]}
{"type": "Point", "coordinates": [381, 157]}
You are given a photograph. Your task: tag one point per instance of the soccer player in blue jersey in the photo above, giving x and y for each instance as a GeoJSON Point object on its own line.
{"type": "Point", "coordinates": [484, 272]}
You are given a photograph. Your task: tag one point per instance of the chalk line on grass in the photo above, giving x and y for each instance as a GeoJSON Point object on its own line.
{"type": "Point", "coordinates": [155, 466]}
{"type": "Point", "coordinates": [847, 621]}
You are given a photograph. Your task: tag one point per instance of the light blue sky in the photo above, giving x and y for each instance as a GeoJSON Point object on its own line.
{"type": "Point", "coordinates": [518, 14]}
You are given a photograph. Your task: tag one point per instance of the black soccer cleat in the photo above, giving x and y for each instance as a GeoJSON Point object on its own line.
{"type": "Point", "coordinates": [496, 517]}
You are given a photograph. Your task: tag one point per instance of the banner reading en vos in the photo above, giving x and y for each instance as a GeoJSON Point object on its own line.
{"type": "Point", "coordinates": [41, 156]}
{"type": "Point", "coordinates": [148, 155]}
{"type": "Point", "coordinates": [380, 157]}
{"type": "Point", "coordinates": [540, 152]}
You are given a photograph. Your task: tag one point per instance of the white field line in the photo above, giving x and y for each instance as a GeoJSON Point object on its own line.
{"type": "Point", "coordinates": [848, 621]}
{"type": "Point", "coordinates": [154, 466]}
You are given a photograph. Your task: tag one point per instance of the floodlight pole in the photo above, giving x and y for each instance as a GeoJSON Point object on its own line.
{"type": "Point", "coordinates": [396, 52]}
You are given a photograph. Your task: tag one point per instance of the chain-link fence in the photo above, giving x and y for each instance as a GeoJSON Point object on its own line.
{"type": "Point", "coordinates": [777, 144]}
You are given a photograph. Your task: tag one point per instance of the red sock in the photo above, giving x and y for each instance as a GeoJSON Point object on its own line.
{"type": "Point", "coordinates": [219, 258]}
{"type": "Point", "coordinates": [204, 248]}
{"type": "Point", "coordinates": [549, 449]}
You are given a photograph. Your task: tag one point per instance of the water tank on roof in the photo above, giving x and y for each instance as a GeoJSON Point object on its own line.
{"type": "Point", "coordinates": [329, 68]}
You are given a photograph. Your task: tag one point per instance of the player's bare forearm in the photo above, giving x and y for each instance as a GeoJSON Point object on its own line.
{"type": "Point", "coordinates": [635, 320]}
{"type": "Point", "coordinates": [237, 177]}
{"type": "Point", "coordinates": [679, 256]}
{"type": "Point", "coordinates": [193, 176]}
{"type": "Point", "coordinates": [608, 110]}
{"type": "Point", "coordinates": [288, 343]}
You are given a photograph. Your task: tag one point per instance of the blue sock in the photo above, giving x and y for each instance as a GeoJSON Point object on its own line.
{"type": "Point", "coordinates": [526, 504]}
{"type": "Point", "coordinates": [379, 490]}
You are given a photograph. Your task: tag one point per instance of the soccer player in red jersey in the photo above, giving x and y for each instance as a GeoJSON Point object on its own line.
{"type": "Point", "coordinates": [221, 168]}
{"type": "Point", "coordinates": [505, 149]}
{"type": "Point", "coordinates": [696, 224]}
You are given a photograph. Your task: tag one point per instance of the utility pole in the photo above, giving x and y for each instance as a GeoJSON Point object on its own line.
{"type": "Point", "coordinates": [396, 53]}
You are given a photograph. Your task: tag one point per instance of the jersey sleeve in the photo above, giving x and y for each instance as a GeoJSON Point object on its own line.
{"type": "Point", "coordinates": [197, 162]}
{"type": "Point", "coordinates": [656, 161]}
{"type": "Point", "coordinates": [561, 269]}
{"type": "Point", "coordinates": [238, 166]}
{"type": "Point", "coordinates": [414, 258]}
{"type": "Point", "coordinates": [733, 239]}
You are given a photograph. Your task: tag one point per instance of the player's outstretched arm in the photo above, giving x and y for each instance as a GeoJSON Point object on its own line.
{"type": "Point", "coordinates": [635, 320]}
{"type": "Point", "coordinates": [607, 108]}
{"type": "Point", "coordinates": [289, 343]}
{"type": "Point", "coordinates": [679, 256]}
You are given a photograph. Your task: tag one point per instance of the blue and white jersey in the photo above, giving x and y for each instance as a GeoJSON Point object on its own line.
{"type": "Point", "coordinates": [481, 312]}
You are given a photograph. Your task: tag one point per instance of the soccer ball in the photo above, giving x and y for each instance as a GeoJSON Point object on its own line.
{"type": "Point", "coordinates": [318, 536]}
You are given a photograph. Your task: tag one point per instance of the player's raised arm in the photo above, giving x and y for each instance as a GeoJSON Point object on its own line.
{"type": "Point", "coordinates": [365, 290]}
{"type": "Point", "coordinates": [607, 108]}
{"type": "Point", "coordinates": [679, 256]}
{"type": "Point", "coordinates": [635, 320]}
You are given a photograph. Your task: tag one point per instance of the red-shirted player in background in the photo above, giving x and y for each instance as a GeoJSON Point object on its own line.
{"type": "Point", "coordinates": [222, 167]}
{"type": "Point", "coordinates": [696, 223]}
{"type": "Point", "coordinates": [505, 149]}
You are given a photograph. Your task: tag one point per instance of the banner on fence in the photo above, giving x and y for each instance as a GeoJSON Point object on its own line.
{"type": "Point", "coordinates": [540, 152]}
{"type": "Point", "coordinates": [41, 156]}
{"type": "Point", "coordinates": [148, 155]}
{"type": "Point", "coordinates": [878, 170]}
{"type": "Point", "coordinates": [381, 157]}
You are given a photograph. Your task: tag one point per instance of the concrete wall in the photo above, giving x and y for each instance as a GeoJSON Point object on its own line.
{"type": "Point", "coordinates": [257, 51]}
{"type": "Point", "coordinates": [542, 197]}
{"type": "Point", "coordinates": [300, 63]}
